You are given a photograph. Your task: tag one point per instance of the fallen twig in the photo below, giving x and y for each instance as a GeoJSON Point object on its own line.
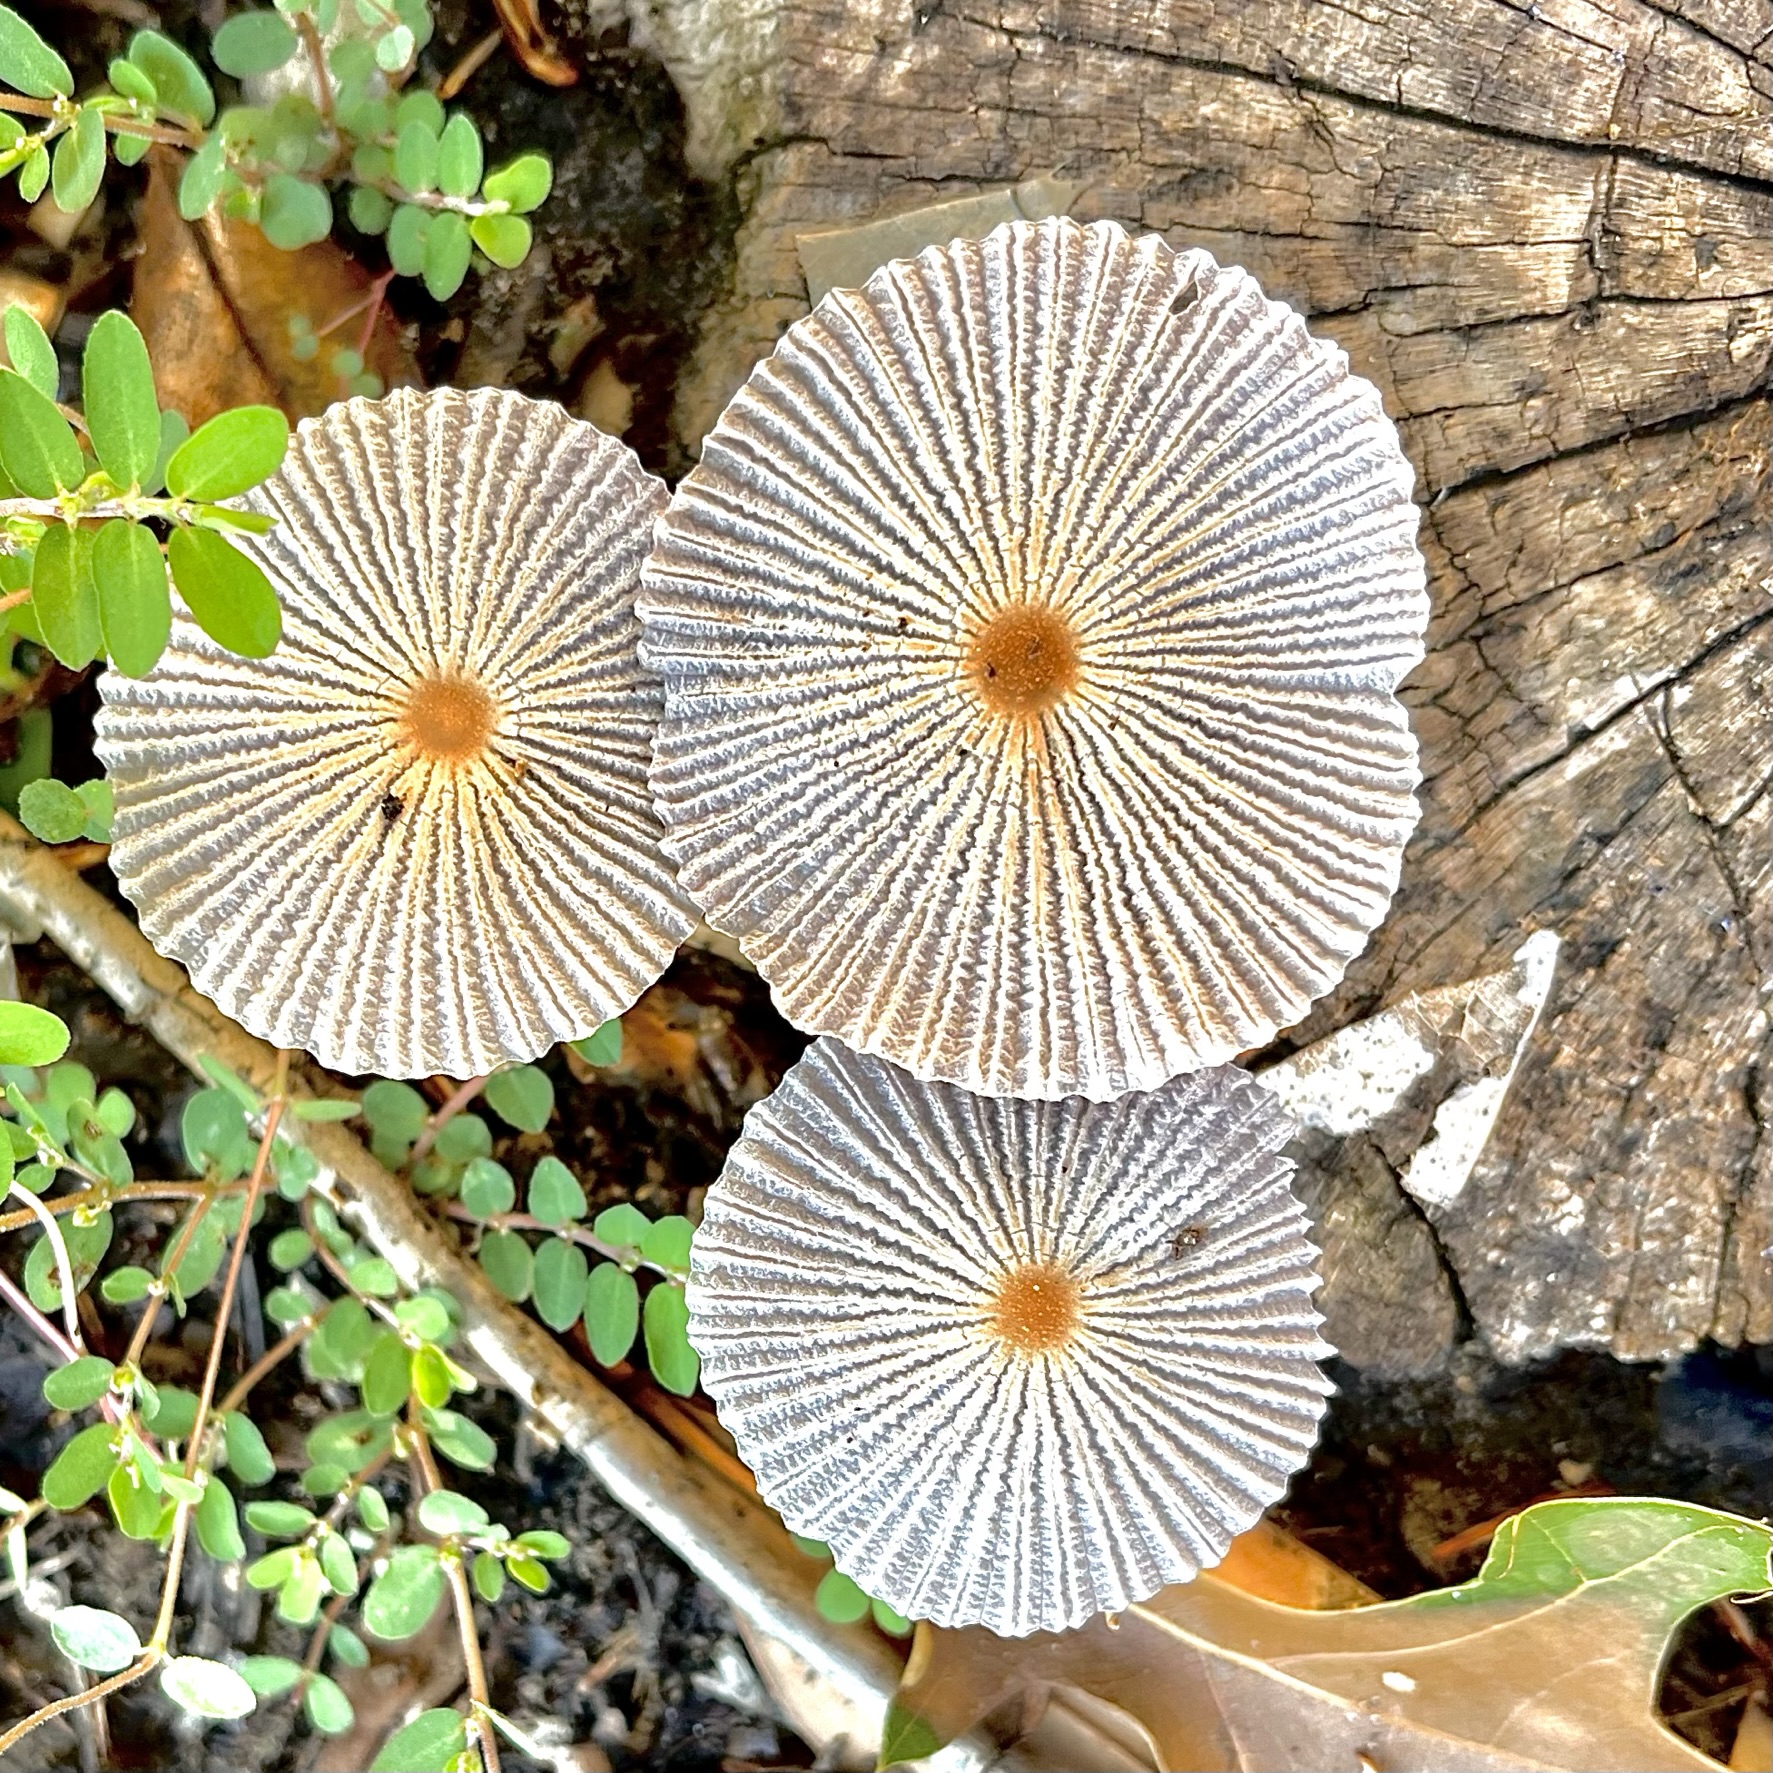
{"type": "Point", "coordinates": [736, 1544]}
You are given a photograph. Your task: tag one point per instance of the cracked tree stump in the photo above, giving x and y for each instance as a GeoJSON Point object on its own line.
{"type": "Point", "coordinates": [1543, 231]}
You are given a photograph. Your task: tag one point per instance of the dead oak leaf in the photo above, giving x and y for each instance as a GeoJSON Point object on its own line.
{"type": "Point", "coordinates": [1549, 1658]}
{"type": "Point", "coordinates": [213, 299]}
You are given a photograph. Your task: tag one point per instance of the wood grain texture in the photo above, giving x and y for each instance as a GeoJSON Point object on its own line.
{"type": "Point", "coordinates": [1543, 232]}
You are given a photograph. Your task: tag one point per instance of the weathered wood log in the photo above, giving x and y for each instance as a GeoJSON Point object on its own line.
{"type": "Point", "coordinates": [1543, 231]}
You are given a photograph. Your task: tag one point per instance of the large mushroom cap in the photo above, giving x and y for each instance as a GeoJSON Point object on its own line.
{"type": "Point", "coordinates": [417, 837]}
{"type": "Point", "coordinates": [1030, 629]}
{"type": "Point", "coordinates": [1015, 1362]}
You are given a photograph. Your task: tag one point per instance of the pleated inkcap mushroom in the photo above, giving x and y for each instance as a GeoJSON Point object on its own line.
{"type": "Point", "coordinates": [1030, 631]}
{"type": "Point", "coordinates": [417, 838]}
{"type": "Point", "coordinates": [1015, 1362]}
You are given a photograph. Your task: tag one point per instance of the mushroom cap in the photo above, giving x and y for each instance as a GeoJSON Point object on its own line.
{"type": "Point", "coordinates": [416, 838]}
{"type": "Point", "coordinates": [1030, 628]}
{"type": "Point", "coordinates": [1015, 1362]}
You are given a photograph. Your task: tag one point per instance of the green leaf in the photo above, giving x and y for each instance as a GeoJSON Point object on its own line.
{"type": "Point", "coordinates": [130, 150]}
{"type": "Point", "coordinates": [374, 1277]}
{"type": "Point", "coordinates": [347, 1647]}
{"type": "Point", "coordinates": [324, 1480]}
{"type": "Point", "coordinates": [487, 1188]}
{"type": "Point", "coordinates": [124, 1286]}
{"type": "Point", "coordinates": [448, 1511]}
{"type": "Point", "coordinates": [432, 1380]}
{"type": "Point", "coordinates": [337, 1564]}
{"type": "Point", "coordinates": [135, 608]}
{"type": "Point", "coordinates": [30, 1036]}
{"type": "Point", "coordinates": [294, 212]}
{"type": "Point", "coordinates": [463, 1138]}
{"type": "Point", "coordinates": [278, 1520]}
{"type": "Point", "coordinates": [623, 1226]}
{"type": "Point", "coordinates": [350, 1440]}
{"type": "Point", "coordinates": [395, 1110]}
{"type": "Point", "coordinates": [104, 1642]}
{"type": "Point", "coordinates": [505, 1257]}
{"type": "Point", "coordinates": [667, 1243]}
{"type": "Point", "coordinates": [489, 1577]}
{"type": "Point", "coordinates": [448, 252]}
{"type": "Point", "coordinates": [64, 595]}
{"type": "Point", "coordinates": [79, 1383]}
{"type": "Point", "coordinates": [52, 812]}
{"type": "Point", "coordinates": [316, 1108]}
{"type": "Point", "coordinates": [415, 157]}
{"type": "Point", "coordinates": [555, 1196]}
{"type": "Point", "coordinates": [612, 1312]}
{"type": "Point", "coordinates": [227, 593]}
{"type": "Point", "coordinates": [675, 1364]}
{"type": "Point", "coordinates": [126, 78]}
{"type": "Point", "coordinates": [372, 1510]}
{"type": "Point", "coordinates": [540, 1543]}
{"type": "Point", "coordinates": [273, 1569]}
{"type": "Point", "coordinates": [506, 240]}
{"type": "Point", "coordinates": [895, 1625]}
{"type": "Point", "coordinates": [431, 1743]}
{"type": "Point", "coordinates": [178, 80]}
{"type": "Point", "coordinates": [460, 158]}
{"type": "Point", "coordinates": [79, 1471]}
{"type": "Point", "coordinates": [173, 432]}
{"type": "Point", "coordinates": [394, 49]}
{"type": "Point", "coordinates": [839, 1599]}
{"type": "Point", "coordinates": [234, 451]}
{"type": "Point", "coordinates": [527, 1572]}
{"type": "Point", "coordinates": [136, 1506]}
{"type": "Point", "coordinates": [214, 1133]}
{"type": "Point", "coordinates": [79, 162]}
{"type": "Point", "coordinates": [419, 106]}
{"type": "Point", "coordinates": [402, 1599]}
{"type": "Point", "coordinates": [387, 1376]}
{"type": "Point", "coordinates": [37, 445]}
{"type": "Point", "coordinates": [560, 1283]}
{"type": "Point", "coordinates": [460, 1441]}
{"type": "Point", "coordinates": [424, 1316]}
{"type": "Point", "coordinates": [369, 209]}
{"type": "Point", "coordinates": [86, 1246]}
{"type": "Point", "coordinates": [603, 1045]}
{"type": "Point", "coordinates": [253, 43]}
{"type": "Point", "coordinates": [218, 1523]}
{"type": "Point", "coordinates": [208, 1689]}
{"type": "Point", "coordinates": [122, 409]}
{"type": "Point", "coordinates": [201, 182]}
{"type": "Point", "coordinates": [270, 1675]}
{"type": "Point", "coordinates": [345, 1336]}
{"type": "Point", "coordinates": [905, 1736]}
{"type": "Point", "coordinates": [29, 351]}
{"type": "Point", "coordinates": [289, 1249]}
{"type": "Point", "coordinates": [329, 1711]}
{"type": "Point", "coordinates": [523, 183]}
{"type": "Point", "coordinates": [28, 64]}
{"type": "Point", "coordinates": [407, 231]}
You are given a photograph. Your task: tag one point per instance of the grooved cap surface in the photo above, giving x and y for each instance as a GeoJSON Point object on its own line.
{"type": "Point", "coordinates": [417, 838]}
{"type": "Point", "coordinates": [1015, 1362]}
{"type": "Point", "coordinates": [1029, 630]}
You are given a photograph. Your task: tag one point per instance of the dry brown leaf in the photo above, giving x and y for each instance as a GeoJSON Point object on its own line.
{"type": "Point", "coordinates": [1549, 1659]}
{"type": "Point", "coordinates": [213, 299]}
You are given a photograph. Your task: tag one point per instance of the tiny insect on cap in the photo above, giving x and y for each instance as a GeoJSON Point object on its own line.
{"type": "Point", "coordinates": [417, 838]}
{"type": "Point", "coordinates": [957, 1338]}
{"type": "Point", "coordinates": [1030, 628]}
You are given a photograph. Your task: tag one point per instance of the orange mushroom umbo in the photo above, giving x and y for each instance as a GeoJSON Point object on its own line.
{"type": "Point", "coordinates": [1015, 1362]}
{"type": "Point", "coordinates": [417, 838]}
{"type": "Point", "coordinates": [1030, 631]}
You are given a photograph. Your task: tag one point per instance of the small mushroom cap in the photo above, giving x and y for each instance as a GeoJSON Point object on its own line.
{"type": "Point", "coordinates": [1015, 1362]}
{"type": "Point", "coordinates": [1030, 629]}
{"type": "Point", "coordinates": [417, 838]}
